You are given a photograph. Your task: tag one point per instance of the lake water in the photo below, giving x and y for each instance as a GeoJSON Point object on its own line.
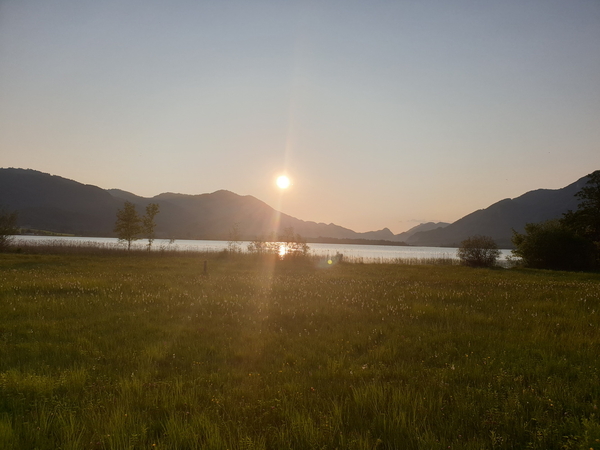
{"type": "Point", "coordinates": [350, 251]}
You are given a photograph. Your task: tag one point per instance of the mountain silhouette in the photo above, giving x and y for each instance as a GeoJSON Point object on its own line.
{"type": "Point", "coordinates": [52, 203]}
{"type": "Point", "coordinates": [499, 219]}
{"type": "Point", "coordinates": [419, 228]}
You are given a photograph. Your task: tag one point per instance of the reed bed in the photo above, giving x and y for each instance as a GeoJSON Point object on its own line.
{"type": "Point", "coordinates": [57, 246]}
{"type": "Point", "coordinates": [97, 248]}
{"type": "Point", "coordinates": [118, 351]}
{"type": "Point", "coordinates": [441, 261]}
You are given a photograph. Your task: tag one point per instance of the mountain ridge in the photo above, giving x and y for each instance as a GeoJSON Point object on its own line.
{"type": "Point", "coordinates": [499, 219]}
{"type": "Point", "coordinates": [50, 202]}
{"type": "Point", "coordinates": [42, 202]}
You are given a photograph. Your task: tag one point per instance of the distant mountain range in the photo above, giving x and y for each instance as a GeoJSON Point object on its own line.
{"type": "Point", "coordinates": [499, 219]}
{"type": "Point", "coordinates": [52, 203]}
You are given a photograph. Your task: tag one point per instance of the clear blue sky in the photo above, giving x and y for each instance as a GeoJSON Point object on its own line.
{"type": "Point", "coordinates": [383, 113]}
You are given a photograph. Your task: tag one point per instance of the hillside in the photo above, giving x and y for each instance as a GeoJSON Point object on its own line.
{"type": "Point", "coordinates": [53, 203]}
{"type": "Point", "coordinates": [419, 228]}
{"type": "Point", "coordinates": [56, 204]}
{"type": "Point", "coordinates": [499, 219]}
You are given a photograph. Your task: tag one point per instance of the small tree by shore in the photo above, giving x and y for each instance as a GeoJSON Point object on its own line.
{"type": "Point", "coordinates": [478, 251]}
{"type": "Point", "coordinates": [128, 225]}
{"type": "Point", "coordinates": [148, 222]}
{"type": "Point", "coordinates": [8, 227]}
{"type": "Point", "coordinates": [233, 245]}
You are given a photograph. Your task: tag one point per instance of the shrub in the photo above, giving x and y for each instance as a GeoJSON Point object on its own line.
{"type": "Point", "coordinates": [287, 245]}
{"type": "Point", "coordinates": [552, 245]}
{"type": "Point", "coordinates": [478, 251]}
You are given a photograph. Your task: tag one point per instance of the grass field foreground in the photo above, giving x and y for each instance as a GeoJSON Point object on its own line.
{"type": "Point", "coordinates": [120, 352]}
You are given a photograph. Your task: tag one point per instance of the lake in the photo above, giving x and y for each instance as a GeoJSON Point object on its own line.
{"type": "Point", "coordinates": [369, 253]}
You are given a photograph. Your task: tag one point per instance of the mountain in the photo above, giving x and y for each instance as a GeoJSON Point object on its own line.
{"type": "Point", "coordinates": [52, 203]}
{"type": "Point", "coordinates": [499, 219]}
{"type": "Point", "coordinates": [421, 227]}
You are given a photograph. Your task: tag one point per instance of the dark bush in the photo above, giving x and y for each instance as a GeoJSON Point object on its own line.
{"type": "Point", "coordinates": [478, 251]}
{"type": "Point", "coordinates": [552, 245]}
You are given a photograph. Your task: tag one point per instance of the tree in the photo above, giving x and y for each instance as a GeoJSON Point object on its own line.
{"type": "Point", "coordinates": [585, 222]}
{"type": "Point", "coordinates": [148, 222]}
{"type": "Point", "coordinates": [233, 245]}
{"type": "Point", "coordinates": [570, 243]}
{"type": "Point", "coordinates": [478, 251]}
{"type": "Point", "coordinates": [128, 225]}
{"type": "Point", "coordinates": [552, 245]}
{"type": "Point", "coordinates": [8, 227]}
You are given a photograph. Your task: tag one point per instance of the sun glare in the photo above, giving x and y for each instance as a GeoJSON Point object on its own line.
{"type": "Point", "coordinates": [283, 182]}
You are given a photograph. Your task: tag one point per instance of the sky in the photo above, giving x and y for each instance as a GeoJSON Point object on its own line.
{"type": "Point", "coordinates": [382, 113]}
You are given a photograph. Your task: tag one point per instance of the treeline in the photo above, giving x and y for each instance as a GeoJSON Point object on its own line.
{"type": "Point", "coordinates": [569, 243]}
{"type": "Point", "coordinates": [328, 240]}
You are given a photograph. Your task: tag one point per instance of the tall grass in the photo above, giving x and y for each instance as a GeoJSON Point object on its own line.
{"type": "Point", "coordinates": [111, 352]}
{"type": "Point", "coordinates": [441, 261]}
{"type": "Point", "coordinates": [57, 246]}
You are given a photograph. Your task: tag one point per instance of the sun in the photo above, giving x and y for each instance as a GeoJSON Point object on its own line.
{"type": "Point", "coordinates": [283, 182]}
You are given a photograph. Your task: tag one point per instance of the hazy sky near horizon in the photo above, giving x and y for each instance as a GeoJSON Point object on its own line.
{"type": "Point", "coordinates": [382, 113]}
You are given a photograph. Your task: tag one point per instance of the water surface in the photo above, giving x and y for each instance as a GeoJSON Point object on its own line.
{"type": "Point", "coordinates": [351, 251]}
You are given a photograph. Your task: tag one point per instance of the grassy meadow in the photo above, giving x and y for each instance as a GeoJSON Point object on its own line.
{"type": "Point", "coordinates": [112, 351]}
